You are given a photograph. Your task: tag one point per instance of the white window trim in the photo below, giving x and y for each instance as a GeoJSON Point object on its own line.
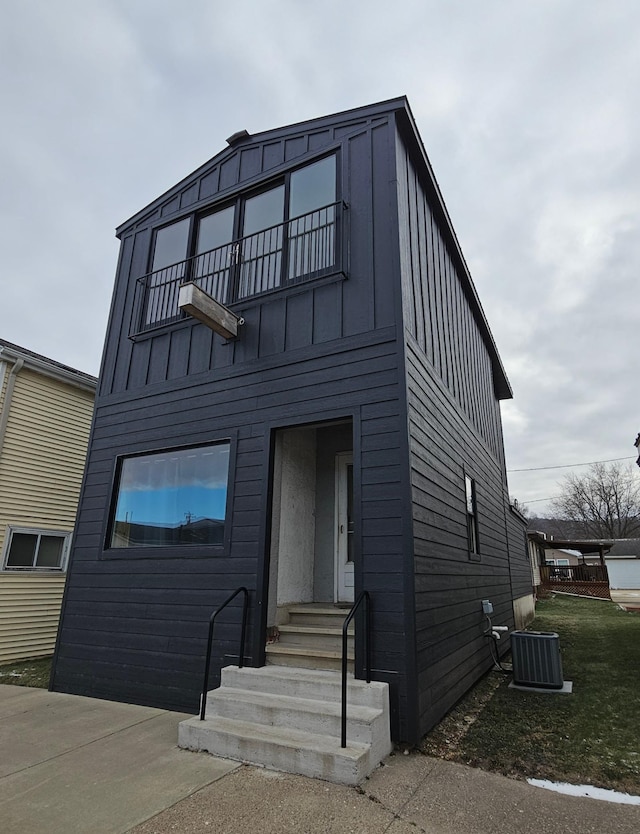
{"type": "Point", "coordinates": [37, 531]}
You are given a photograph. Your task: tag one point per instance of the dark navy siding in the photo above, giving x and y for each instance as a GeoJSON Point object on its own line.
{"type": "Point", "coordinates": [454, 430]}
{"type": "Point", "coordinates": [395, 342]}
{"type": "Point", "coordinates": [136, 628]}
{"type": "Point", "coordinates": [449, 585]}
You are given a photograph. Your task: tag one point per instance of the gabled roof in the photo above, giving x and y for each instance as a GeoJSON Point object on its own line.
{"type": "Point", "coordinates": [241, 142]}
{"type": "Point", "coordinates": [356, 117]}
{"type": "Point", "coordinates": [49, 367]}
{"type": "Point", "coordinates": [583, 546]}
{"type": "Point", "coordinates": [626, 547]}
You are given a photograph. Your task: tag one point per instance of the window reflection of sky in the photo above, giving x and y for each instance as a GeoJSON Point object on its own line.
{"type": "Point", "coordinates": [174, 487]}
{"type": "Point", "coordinates": [171, 507]}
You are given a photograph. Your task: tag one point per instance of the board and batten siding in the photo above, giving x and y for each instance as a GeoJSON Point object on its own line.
{"type": "Point", "coordinates": [41, 467]}
{"type": "Point", "coordinates": [454, 431]}
{"type": "Point", "coordinates": [395, 343]}
{"type": "Point", "coordinates": [135, 628]}
{"type": "Point", "coordinates": [289, 318]}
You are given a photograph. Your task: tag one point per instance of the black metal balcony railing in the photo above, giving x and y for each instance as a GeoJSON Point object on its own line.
{"type": "Point", "coordinates": [297, 250]}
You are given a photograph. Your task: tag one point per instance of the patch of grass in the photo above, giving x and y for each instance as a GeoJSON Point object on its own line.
{"type": "Point", "coordinates": [591, 736]}
{"type": "Point", "coordinates": [27, 673]}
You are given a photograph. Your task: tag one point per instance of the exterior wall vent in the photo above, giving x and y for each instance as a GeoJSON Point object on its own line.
{"type": "Point", "coordinates": [536, 659]}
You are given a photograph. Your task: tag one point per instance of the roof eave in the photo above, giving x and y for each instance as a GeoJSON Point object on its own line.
{"type": "Point", "coordinates": [71, 377]}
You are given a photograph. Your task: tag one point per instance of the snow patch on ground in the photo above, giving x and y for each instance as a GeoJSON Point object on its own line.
{"type": "Point", "coordinates": [586, 790]}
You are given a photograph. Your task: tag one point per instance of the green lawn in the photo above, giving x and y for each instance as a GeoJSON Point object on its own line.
{"type": "Point", "coordinates": [27, 673]}
{"type": "Point", "coordinates": [591, 736]}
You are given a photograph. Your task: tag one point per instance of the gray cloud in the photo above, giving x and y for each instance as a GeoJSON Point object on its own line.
{"type": "Point", "coordinates": [528, 111]}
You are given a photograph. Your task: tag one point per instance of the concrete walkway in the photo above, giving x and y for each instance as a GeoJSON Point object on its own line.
{"type": "Point", "coordinates": [72, 765]}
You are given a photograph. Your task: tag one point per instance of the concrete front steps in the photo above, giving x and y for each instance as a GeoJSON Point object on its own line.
{"type": "Point", "coordinates": [288, 719]}
{"type": "Point", "coordinates": [312, 638]}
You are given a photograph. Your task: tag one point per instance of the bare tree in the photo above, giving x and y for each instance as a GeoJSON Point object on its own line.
{"type": "Point", "coordinates": [604, 503]}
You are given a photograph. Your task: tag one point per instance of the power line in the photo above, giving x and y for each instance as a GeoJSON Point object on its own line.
{"type": "Point", "coordinates": [568, 466]}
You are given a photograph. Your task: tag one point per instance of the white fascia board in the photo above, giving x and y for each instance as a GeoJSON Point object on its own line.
{"type": "Point", "coordinates": [59, 374]}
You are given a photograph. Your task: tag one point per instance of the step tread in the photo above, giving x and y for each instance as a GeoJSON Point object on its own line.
{"type": "Point", "coordinates": [332, 708]}
{"type": "Point", "coordinates": [293, 628]}
{"type": "Point", "coordinates": [293, 673]}
{"type": "Point", "coordinates": [276, 648]}
{"type": "Point", "coordinates": [319, 609]}
{"type": "Point", "coordinates": [281, 736]}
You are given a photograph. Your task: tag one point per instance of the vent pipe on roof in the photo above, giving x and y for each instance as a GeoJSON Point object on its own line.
{"type": "Point", "coordinates": [238, 137]}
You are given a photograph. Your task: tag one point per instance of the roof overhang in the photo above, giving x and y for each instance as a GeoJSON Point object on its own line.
{"type": "Point", "coordinates": [41, 366]}
{"type": "Point", "coordinates": [583, 546]}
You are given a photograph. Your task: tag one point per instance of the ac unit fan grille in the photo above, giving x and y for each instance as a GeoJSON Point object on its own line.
{"type": "Point", "coordinates": [536, 659]}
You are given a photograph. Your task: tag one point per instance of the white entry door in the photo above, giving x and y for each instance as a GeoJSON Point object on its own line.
{"type": "Point", "coordinates": [344, 582]}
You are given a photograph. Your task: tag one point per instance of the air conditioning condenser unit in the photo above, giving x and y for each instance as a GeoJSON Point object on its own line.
{"type": "Point", "coordinates": [536, 659]}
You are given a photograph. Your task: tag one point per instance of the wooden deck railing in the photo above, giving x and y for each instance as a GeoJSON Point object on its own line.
{"type": "Point", "coordinates": [583, 580]}
{"type": "Point", "coordinates": [573, 573]}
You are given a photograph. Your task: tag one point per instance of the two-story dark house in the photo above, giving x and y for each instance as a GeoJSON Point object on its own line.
{"type": "Point", "coordinates": [348, 437]}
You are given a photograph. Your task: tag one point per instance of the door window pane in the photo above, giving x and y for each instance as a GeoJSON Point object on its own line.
{"type": "Point", "coordinates": [311, 230]}
{"type": "Point", "coordinates": [168, 270]}
{"type": "Point", "coordinates": [171, 244]}
{"type": "Point", "coordinates": [172, 498]}
{"type": "Point", "coordinates": [214, 253]}
{"type": "Point", "coordinates": [264, 210]}
{"type": "Point", "coordinates": [215, 230]}
{"type": "Point", "coordinates": [313, 187]}
{"type": "Point", "coordinates": [261, 255]}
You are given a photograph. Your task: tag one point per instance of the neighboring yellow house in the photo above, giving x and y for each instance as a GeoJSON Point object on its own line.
{"type": "Point", "coordinates": [45, 418]}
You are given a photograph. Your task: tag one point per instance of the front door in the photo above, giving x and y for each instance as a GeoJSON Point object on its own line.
{"type": "Point", "coordinates": [344, 582]}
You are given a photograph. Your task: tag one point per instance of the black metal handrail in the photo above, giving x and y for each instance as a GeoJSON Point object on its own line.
{"type": "Point", "coordinates": [367, 655]}
{"type": "Point", "coordinates": [212, 619]}
{"type": "Point", "coordinates": [291, 252]}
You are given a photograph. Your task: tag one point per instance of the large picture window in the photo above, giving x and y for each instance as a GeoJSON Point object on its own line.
{"type": "Point", "coordinates": [29, 549]}
{"type": "Point", "coordinates": [176, 497]}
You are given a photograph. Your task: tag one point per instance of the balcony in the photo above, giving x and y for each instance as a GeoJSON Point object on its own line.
{"type": "Point", "coordinates": [301, 249]}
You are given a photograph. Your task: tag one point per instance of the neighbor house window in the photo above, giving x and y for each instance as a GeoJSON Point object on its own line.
{"type": "Point", "coordinates": [29, 549]}
{"type": "Point", "coordinates": [472, 516]}
{"type": "Point", "coordinates": [281, 234]}
{"type": "Point", "coordinates": [171, 498]}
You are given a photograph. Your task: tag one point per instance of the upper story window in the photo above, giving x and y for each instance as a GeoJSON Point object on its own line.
{"type": "Point", "coordinates": [282, 234]}
{"type": "Point", "coordinates": [32, 549]}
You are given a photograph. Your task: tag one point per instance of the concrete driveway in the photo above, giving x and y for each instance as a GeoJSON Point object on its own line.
{"type": "Point", "coordinates": [73, 765]}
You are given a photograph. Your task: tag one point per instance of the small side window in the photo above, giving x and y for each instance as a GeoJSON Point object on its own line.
{"type": "Point", "coordinates": [29, 549]}
{"type": "Point", "coordinates": [472, 517]}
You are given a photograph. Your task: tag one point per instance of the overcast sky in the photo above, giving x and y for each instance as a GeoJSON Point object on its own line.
{"type": "Point", "coordinates": [529, 111]}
